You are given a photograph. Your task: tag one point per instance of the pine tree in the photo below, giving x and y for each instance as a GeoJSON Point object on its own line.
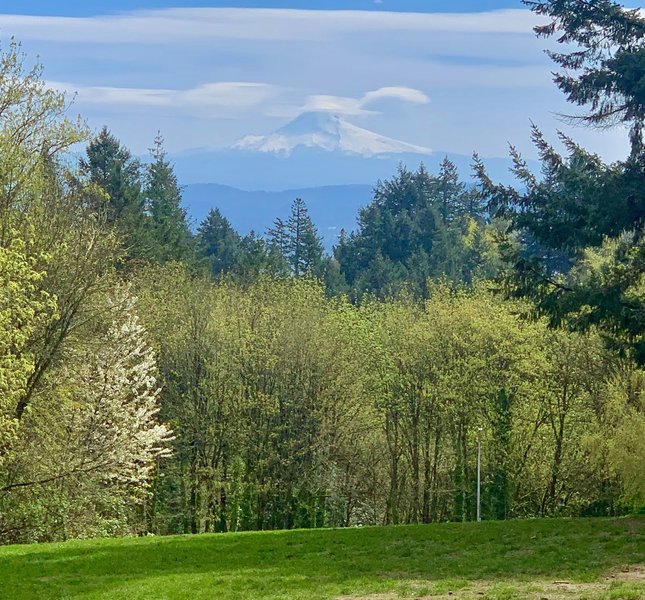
{"type": "Point", "coordinates": [219, 243]}
{"type": "Point", "coordinates": [304, 250]}
{"type": "Point", "coordinates": [169, 233]}
{"type": "Point", "coordinates": [111, 166]}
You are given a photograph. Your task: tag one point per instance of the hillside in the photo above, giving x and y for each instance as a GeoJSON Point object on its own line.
{"type": "Point", "coordinates": [590, 558]}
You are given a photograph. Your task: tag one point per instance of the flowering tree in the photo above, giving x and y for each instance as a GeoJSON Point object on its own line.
{"type": "Point", "coordinates": [89, 443]}
{"type": "Point", "coordinates": [115, 407]}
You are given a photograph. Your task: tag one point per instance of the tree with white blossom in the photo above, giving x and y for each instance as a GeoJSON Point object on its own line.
{"type": "Point", "coordinates": [86, 459]}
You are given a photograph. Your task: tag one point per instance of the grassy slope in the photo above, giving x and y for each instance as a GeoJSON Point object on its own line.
{"type": "Point", "coordinates": [515, 559]}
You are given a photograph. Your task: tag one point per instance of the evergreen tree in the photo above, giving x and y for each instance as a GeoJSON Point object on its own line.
{"type": "Point", "coordinates": [417, 227]}
{"type": "Point", "coordinates": [606, 69]}
{"type": "Point", "coordinates": [299, 240]}
{"type": "Point", "coordinates": [257, 258]}
{"type": "Point", "coordinates": [219, 243]}
{"type": "Point", "coordinates": [169, 233]}
{"type": "Point", "coordinates": [333, 278]}
{"type": "Point", "coordinates": [450, 191]}
{"type": "Point", "coordinates": [111, 166]}
{"type": "Point", "coordinates": [400, 223]}
{"type": "Point", "coordinates": [278, 237]}
{"type": "Point", "coordinates": [583, 220]}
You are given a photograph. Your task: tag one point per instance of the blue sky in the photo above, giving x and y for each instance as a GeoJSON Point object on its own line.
{"type": "Point", "coordinates": [453, 76]}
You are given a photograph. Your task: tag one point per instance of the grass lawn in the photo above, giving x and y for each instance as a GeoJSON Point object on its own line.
{"type": "Point", "coordinates": [586, 558]}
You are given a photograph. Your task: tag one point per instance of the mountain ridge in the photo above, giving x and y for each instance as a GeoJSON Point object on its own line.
{"type": "Point", "coordinates": [331, 208]}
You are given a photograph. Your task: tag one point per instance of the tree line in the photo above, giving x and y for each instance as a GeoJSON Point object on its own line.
{"type": "Point", "coordinates": [293, 409]}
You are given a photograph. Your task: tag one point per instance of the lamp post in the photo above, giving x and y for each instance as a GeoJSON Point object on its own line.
{"type": "Point", "coordinates": [479, 478]}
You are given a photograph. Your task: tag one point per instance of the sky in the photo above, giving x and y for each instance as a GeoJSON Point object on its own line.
{"type": "Point", "coordinates": [455, 76]}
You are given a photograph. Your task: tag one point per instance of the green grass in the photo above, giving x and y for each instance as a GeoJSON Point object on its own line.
{"type": "Point", "coordinates": [557, 558]}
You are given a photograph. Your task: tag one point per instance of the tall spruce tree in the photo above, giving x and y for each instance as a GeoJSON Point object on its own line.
{"type": "Point", "coordinates": [301, 245]}
{"type": "Point", "coordinates": [169, 234]}
{"type": "Point", "coordinates": [111, 166]}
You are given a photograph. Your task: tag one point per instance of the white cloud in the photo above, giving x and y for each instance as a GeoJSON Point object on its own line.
{"type": "Point", "coordinates": [357, 106]}
{"type": "Point", "coordinates": [192, 24]}
{"type": "Point", "coordinates": [336, 104]}
{"type": "Point", "coordinates": [233, 95]}
{"type": "Point", "coordinates": [219, 95]}
{"type": "Point", "coordinates": [399, 93]}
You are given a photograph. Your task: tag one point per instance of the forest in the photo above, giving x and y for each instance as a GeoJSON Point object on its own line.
{"type": "Point", "coordinates": [159, 376]}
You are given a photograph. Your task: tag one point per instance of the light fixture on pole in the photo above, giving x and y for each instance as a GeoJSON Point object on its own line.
{"type": "Point", "coordinates": [479, 478]}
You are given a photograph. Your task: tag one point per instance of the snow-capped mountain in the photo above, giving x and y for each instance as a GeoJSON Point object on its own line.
{"type": "Point", "coordinates": [315, 150]}
{"type": "Point", "coordinates": [328, 132]}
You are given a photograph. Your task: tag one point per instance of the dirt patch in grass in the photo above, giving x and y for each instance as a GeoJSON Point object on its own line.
{"type": "Point", "coordinates": [627, 584]}
{"type": "Point", "coordinates": [635, 526]}
{"type": "Point", "coordinates": [371, 597]}
{"type": "Point", "coordinates": [636, 573]}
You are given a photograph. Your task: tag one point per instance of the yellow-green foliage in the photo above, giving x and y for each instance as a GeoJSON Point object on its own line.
{"type": "Point", "coordinates": [79, 434]}
{"type": "Point", "coordinates": [23, 308]}
{"type": "Point", "coordinates": [294, 409]}
{"type": "Point", "coordinates": [34, 130]}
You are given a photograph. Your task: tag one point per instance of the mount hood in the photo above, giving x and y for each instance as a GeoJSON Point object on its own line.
{"type": "Point", "coordinates": [326, 131]}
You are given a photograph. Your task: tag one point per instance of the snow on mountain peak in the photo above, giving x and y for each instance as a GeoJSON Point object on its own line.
{"type": "Point", "coordinates": [329, 132]}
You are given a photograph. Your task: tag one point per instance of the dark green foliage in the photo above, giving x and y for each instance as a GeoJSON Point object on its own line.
{"type": "Point", "coordinates": [111, 167]}
{"type": "Point", "coordinates": [243, 258]}
{"type": "Point", "coordinates": [605, 68]}
{"type": "Point", "coordinates": [451, 193]}
{"type": "Point", "coordinates": [169, 235]}
{"type": "Point", "coordinates": [298, 242]}
{"type": "Point", "coordinates": [333, 279]}
{"type": "Point", "coordinates": [581, 252]}
{"type": "Point", "coordinates": [218, 243]}
{"type": "Point", "coordinates": [417, 227]}
{"type": "Point", "coordinates": [259, 257]}
{"type": "Point", "coordinates": [279, 237]}
{"type": "Point", "coordinates": [580, 204]}
{"type": "Point", "coordinates": [143, 203]}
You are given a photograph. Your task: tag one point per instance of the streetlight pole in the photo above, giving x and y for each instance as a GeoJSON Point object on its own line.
{"type": "Point", "coordinates": [479, 478]}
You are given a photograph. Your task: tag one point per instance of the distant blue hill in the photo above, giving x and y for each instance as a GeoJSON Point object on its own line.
{"type": "Point", "coordinates": [311, 167]}
{"type": "Point", "coordinates": [332, 208]}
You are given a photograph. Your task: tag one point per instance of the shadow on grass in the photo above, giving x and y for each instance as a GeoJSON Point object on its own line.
{"type": "Point", "coordinates": [258, 564]}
